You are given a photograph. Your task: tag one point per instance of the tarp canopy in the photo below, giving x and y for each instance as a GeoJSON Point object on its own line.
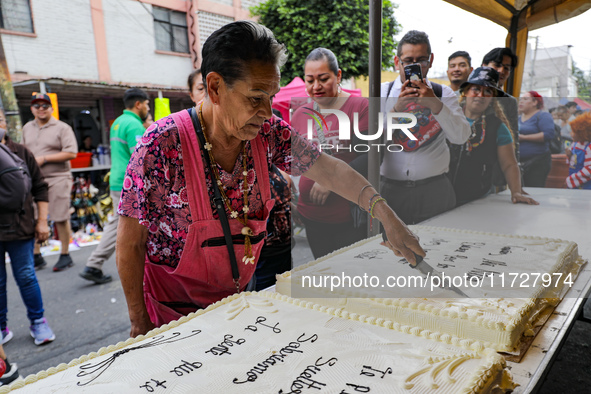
{"type": "Point", "coordinates": [293, 91]}
{"type": "Point", "coordinates": [519, 17]}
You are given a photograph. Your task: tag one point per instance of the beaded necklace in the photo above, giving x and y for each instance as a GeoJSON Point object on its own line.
{"type": "Point", "coordinates": [470, 144]}
{"type": "Point", "coordinates": [246, 231]}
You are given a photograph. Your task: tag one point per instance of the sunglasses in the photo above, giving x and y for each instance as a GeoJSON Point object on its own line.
{"type": "Point", "coordinates": [44, 106]}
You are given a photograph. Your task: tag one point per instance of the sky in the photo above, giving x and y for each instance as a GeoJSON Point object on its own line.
{"type": "Point", "coordinates": [452, 29]}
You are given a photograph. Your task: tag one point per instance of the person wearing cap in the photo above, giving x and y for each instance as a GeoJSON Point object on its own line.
{"type": "Point", "coordinates": [536, 129]}
{"type": "Point", "coordinates": [490, 141]}
{"type": "Point", "coordinates": [125, 133]}
{"type": "Point", "coordinates": [459, 67]}
{"type": "Point", "coordinates": [53, 143]}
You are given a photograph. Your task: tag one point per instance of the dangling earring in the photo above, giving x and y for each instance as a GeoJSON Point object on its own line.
{"type": "Point", "coordinates": [339, 89]}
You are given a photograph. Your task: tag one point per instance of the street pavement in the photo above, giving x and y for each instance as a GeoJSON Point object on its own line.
{"type": "Point", "coordinates": [86, 317]}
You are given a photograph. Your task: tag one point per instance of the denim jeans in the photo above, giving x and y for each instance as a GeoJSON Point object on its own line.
{"type": "Point", "coordinates": [21, 258]}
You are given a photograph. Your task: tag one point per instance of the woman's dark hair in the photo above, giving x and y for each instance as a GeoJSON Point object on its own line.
{"type": "Point", "coordinates": [229, 49]}
{"type": "Point", "coordinates": [192, 77]}
{"type": "Point", "coordinates": [324, 54]}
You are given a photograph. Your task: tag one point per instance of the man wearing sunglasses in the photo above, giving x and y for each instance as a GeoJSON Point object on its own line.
{"type": "Point", "coordinates": [53, 143]}
{"type": "Point", "coordinates": [414, 180]}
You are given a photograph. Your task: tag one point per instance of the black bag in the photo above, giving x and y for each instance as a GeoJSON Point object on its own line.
{"type": "Point", "coordinates": [15, 182]}
{"type": "Point", "coordinates": [556, 142]}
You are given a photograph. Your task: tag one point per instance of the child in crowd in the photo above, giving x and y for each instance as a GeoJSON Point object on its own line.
{"type": "Point", "coordinates": [579, 153]}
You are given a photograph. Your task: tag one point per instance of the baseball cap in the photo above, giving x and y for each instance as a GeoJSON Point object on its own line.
{"type": "Point", "coordinates": [40, 97]}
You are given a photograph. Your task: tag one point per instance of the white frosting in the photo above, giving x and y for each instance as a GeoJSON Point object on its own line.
{"type": "Point", "coordinates": [270, 343]}
{"type": "Point", "coordinates": [497, 320]}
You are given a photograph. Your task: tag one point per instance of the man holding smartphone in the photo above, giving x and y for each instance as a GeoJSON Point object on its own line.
{"type": "Point", "coordinates": [414, 180]}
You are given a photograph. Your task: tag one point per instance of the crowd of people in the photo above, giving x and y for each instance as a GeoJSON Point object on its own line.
{"type": "Point", "coordinates": [203, 195]}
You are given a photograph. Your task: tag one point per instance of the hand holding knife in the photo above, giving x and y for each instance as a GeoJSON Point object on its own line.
{"type": "Point", "coordinates": [424, 268]}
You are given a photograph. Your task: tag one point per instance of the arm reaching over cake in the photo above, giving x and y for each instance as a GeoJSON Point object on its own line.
{"type": "Point", "coordinates": [337, 176]}
{"type": "Point", "coordinates": [131, 251]}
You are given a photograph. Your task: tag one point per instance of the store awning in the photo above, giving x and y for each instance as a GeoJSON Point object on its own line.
{"type": "Point", "coordinates": [519, 17]}
{"type": "Point", "coordinates": [83, 93]}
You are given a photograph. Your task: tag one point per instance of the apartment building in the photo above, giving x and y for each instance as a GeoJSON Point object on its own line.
{"type": "Point", "coordinates": [89, 52]}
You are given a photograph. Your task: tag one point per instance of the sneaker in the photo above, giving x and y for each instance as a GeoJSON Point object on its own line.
{"type": "Point", "coordinates": [10, 375]}
{"type": "Point", "coordinates": [95, 275]}
{"type": "Point", "coordinates": [6, 335]}
{"type": "Point", "coordinates": [39, 262]}
{"type": "Point", "coordinates": [41, 331]}
{"type": "Point", "coordinates": [64, 262]}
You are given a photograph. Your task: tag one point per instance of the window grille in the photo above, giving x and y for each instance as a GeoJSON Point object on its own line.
{"type": "Point", "coordinates": [170, 30]}
{"type": "Point", "coordinates": [208, 23]}
{"type": "Point", "coordinates": [15, 15]}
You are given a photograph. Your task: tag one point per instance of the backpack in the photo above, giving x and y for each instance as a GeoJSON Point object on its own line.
{"type": "Point", "coordinates": [15, 182]}
{"type": "Point", "coordinates": [555, 144]}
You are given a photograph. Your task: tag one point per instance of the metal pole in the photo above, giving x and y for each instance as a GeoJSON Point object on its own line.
{"type": "Point", "coordinates": [375, 68]}
{"type": "Point", "coordinates": [532, 74]}
{"type": "Point", "coordinates": [8, 99]}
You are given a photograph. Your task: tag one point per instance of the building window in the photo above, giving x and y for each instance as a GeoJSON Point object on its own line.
{"type": "Point", "coordinates": [170, 30]}
{"type": "Point", "coordinates": [15, 15]}
{"type": "Point", "coordinates": [208, 23]}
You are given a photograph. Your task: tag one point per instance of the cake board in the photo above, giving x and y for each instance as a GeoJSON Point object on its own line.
{"type": "Point", "coordinates": [557, 216]}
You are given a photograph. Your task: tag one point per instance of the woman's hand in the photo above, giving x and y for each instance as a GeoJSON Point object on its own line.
{"type": "Point", "coordinates": [403, 242]}
{"type": "Point", "coordinates": [141, 326]}
{"type": "Point", "coordinates": [517, 198]}
{"type": "Point", "coordinates": [319, 194]}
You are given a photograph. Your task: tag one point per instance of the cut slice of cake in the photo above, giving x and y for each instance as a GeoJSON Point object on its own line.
{"type": "Point", "coordinates": [511, 281]}
{"type": "Point", "coordinates": [270, 343]}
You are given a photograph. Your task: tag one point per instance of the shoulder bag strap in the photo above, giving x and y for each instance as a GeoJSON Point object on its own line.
{"type": "Point", "coordinates": [218, 201]}
{"type": "Point", "coordinates": [437, 89]}
{"type": "Point", "coordinates": [389, 89]}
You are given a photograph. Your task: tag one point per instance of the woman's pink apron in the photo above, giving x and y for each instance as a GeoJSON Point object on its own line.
{"type": "Point", "coordinates": [203, 275]}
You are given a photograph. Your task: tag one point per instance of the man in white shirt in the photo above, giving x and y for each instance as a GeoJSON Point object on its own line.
{"type": "Point", "coordinates": [415, 184]}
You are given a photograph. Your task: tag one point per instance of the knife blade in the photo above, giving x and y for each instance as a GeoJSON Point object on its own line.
{"type": "Point", "coordinates": [424, 268]}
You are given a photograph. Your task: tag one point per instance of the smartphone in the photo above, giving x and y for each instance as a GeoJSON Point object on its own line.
{"type": "Point", "coordinates": [413, 72]}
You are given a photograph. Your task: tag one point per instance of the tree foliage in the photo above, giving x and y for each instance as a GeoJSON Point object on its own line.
{"type": "Point", "coordinates": [583, 83]}
{"type": "Point", "coordinates": [339, 25]}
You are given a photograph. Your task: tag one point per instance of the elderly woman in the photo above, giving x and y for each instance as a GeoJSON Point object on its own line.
{"type": "Point", "coordinates": [327, 216]}
{"type": "Point", "coordinates": [183, 181]}
{"type": "Point", "coordinates": [490, 141]}
{"type": "Point", "coordinates": [536, 129]}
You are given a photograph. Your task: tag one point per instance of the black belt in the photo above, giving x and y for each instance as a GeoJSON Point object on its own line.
{"type": "Point", "coordinates": [414, 183]}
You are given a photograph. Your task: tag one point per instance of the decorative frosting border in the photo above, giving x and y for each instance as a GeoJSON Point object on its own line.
{"type": "Point", "coordinates": [540, 295]}
{"type": "Point", "coordinates": [493, 361]}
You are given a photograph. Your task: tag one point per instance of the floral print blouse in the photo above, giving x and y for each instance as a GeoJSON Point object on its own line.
{"type": "Point", "coordinates": [155, 192]}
